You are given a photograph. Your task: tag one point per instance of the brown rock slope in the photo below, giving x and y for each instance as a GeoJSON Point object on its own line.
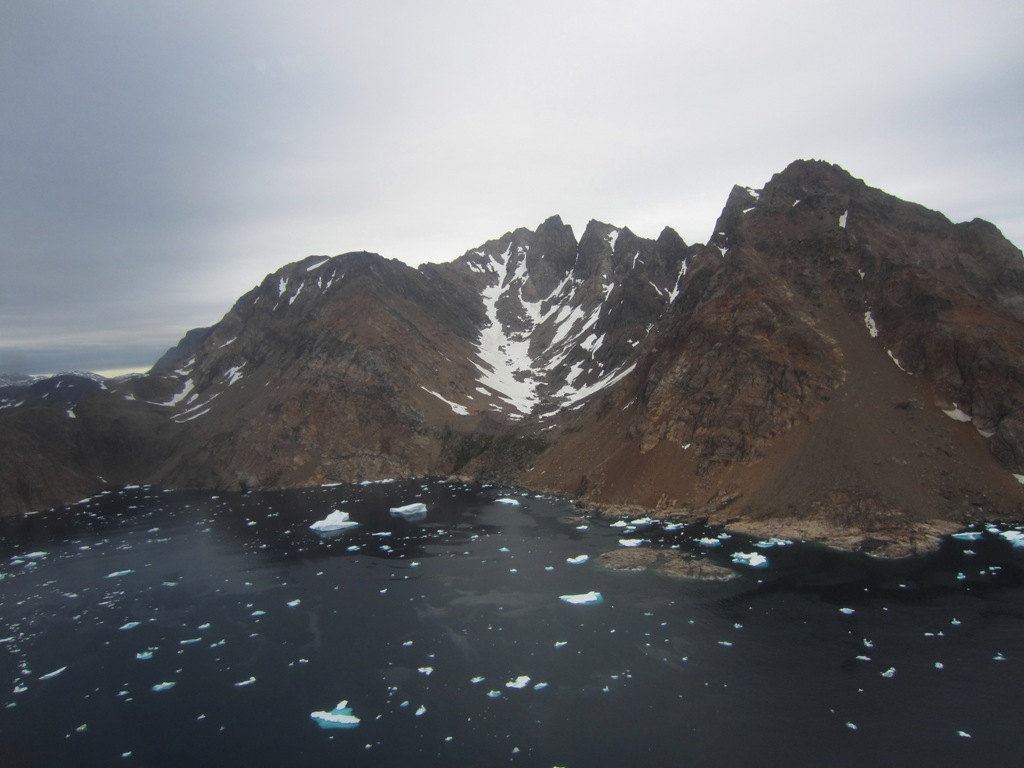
{"type": "Point", "coordinates": [768, 403]}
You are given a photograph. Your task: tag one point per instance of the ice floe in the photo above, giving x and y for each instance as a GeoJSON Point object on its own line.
{"type": "Point", "coordinates": [968, 535]}
{"type": "Point", "coordinates": [510, 502]}
{"type": "Point", "coordinates": [337, 520]}
{"type": "Point", "coordinates": [520, 682]}
{"type": "Point", "coordinates": [51, 675]}
{"type": "Point", "coordinates": [339, 717]}
{"type": "Point", "coordinates": [163, 687]}
{"type": "Point", "coordinates": [582, 599]}
{"type": "Point", "coordinates": [578, 560]}
{"type": "Point", "coordinates": [630, 542]}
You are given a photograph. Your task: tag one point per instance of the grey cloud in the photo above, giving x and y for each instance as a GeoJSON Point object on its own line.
{"type": "Point", "coordinates": [160, 158]}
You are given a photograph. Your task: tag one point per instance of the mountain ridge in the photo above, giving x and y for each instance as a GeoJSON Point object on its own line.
{"type": "Point", "coordinates": [834, 361]}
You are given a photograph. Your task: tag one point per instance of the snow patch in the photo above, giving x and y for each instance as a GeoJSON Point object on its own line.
{"type": "Point", "coordinates": [957, 415]}
{"type": "Point", "coordinates": [458, 410]}
{"type": "Point", "coordinates": [869, 321]}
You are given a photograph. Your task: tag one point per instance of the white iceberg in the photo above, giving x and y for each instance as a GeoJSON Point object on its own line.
{"type": "Point", "coordinates": [709, 542]}
{"type": "Point", "coordinates": [630, 542]}
{"type": "Point", "coordinates": [753, 559]}
{"type": "Point", "coordinates": [578, 560]}
{"type": "Point", "coordinates": [336, 521]}
{"type": "Point", "coordinates": [510, 502]}
{"type": "Point", "coordinates": [415, 511]}
{"type": "Point", "coordinates": [520, 682]}
{"type": "Point", "coordinates": [163, 687]}
{"type": "Point", "coordinates": [584, 599]}
{"type": "Point", "coordinates": [339, 717]}
{"type": "Point", "coordinates": [1016, 538]}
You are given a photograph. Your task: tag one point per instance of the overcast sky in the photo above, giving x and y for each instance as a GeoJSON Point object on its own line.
{"type": "Point", "coordinates": [158, 159]}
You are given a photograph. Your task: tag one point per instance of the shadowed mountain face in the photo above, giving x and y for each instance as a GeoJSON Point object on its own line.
{"type": "Point", "coordinates": [835, 362]}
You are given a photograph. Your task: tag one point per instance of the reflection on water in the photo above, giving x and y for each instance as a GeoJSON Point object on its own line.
{"type": "Point", "coordinates": [169, 628]}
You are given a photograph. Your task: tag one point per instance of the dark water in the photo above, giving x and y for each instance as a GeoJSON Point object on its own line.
{"type": "Point", "coordinates": [133, 590]}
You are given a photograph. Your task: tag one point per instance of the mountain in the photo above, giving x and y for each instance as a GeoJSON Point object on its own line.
{"type": "Point", "coordinates": [835, 364]}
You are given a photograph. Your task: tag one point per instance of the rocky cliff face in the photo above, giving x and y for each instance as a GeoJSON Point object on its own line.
{"type": "Point", "coordinates": [834, 361]}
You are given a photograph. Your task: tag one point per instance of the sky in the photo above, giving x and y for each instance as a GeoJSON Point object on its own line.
{"type": "Point", "coordinates": [159, 158]}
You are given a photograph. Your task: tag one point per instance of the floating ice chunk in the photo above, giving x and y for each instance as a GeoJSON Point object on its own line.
{"type": "Point", "coordinates": [968, 535]}
{"type": "Point", "coordinates": [511, 502]}
{"type": "Point", "coordinates": [619, 524]}
{"type": "Point", "coordinates": [939, 665]}
{"type": "Point", "coordinates": [578, 560]}
{"type": "Point", "coordinates": [963, 734]}
{"type": "Point", "coordinates": [630, 542]}
{"type": "Point", "coordinates": [51, 675]}
{"type": "Point", "coordinates": [144, 655]}
{"type": "Point", "coordinates": [339, 717]}
{"type": "Point", "coordinates": [520, 682]}
{"type": "Point", "coordinates": [426, 670]}
{"type": "Point", "coordinates": [34, 555]}
{"type": "Point", "coordinates": [118, 574]}
{"type": "Point", "coordinates": [243, 683]}
{"type": "Point", "coordinates": [561, 643]}
{"type": "Point", "coordinates": [420, 711]}
{"type": "Point", "coordinates": [129, 625]}
{"type": "Point", "coordinates": [494, 694]}
{"type": "Point", "coordinates": [477, 679]}
{"type": "Point", "coordinates": [293, 603]}
{"type": "Point", "coordinates": [753, 559]}
{"type": "Point", "coordinates": [163, 687]}
{"type": "Point", "coordinates": [336, 521]}
{"type": "Point", "coordinates": [851, 726]}
{"type": "Point", "coordinates": [583, 599]}
{"type": "Point", "coordinates": [889, 672]}
{"type": "Point", "coordinates": [540, 686]}
{"type": "Point", "coordinates": [847, 611]}
{"type": "Point", "coordinates": [709, 542]}
{"type": "Point", "coordinates": [415, 511]}
{"type": "Point", "coordinates": [1016, 538]}
{"type": "Point", "coordinates": [773, 542]}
